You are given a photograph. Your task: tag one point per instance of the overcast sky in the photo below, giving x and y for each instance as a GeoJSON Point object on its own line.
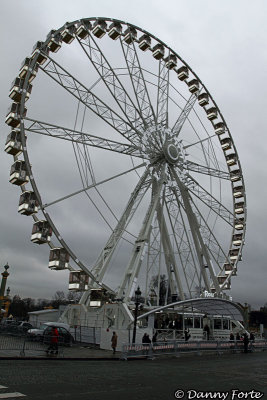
{"type": "Point", "coordinates": [224, 43]}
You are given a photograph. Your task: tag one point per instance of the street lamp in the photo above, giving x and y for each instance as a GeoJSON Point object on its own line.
{"type": "Point", "coordinates": [137, 302]}
{"type": "Point", "coordinates": [5, 275]}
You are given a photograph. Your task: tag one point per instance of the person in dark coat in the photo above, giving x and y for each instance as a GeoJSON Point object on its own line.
{"type": "Point", "coordinates": [207, 330]}
{"type": "Point", "coordinates": [238, 336]}
{"type": "Point", "coordinates": [146, 339]}
{"type": "Point", "coordinates": [114, 341]}
{"type": "Point", "coordinates": [246, 342]}
{"type": "Point", "coordinates": [186, 335]}
{"type": "Point", "coordinates": [232, 337]}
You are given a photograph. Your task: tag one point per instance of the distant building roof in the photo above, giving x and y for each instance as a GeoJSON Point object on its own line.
{"type": "Point", "coordinates": [42, 312]}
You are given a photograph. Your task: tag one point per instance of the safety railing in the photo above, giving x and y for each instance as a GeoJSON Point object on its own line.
{"type": "Point", "coordinates": [179, 347]}
{"type": "Point", "coordinates": [20, 346]}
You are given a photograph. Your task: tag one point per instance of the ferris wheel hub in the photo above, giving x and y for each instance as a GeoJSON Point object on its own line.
{"type": "Point", "coordinates": [171, 152]}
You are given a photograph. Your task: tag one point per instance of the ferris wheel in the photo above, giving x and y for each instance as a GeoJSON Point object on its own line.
{"type": "Point", "coordinates": [126, 165]}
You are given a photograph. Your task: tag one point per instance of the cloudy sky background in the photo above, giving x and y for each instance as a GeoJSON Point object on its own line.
{"type": "Point", "coordinates": [224, 43]}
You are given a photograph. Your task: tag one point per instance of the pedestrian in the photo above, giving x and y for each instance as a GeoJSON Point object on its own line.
{"type": "Point", "coordinates": [245, 341]}
{"type": "Point", "coordinates": [206, 329]}
{"type": "Point", "coordinates": [251, 337]}
{"type": "Point", "coordinates": [186, 335]}
{"type": "Point", "coordinates": [146, 339]}
{"type": "Point", "coordinates": [53, 347]}
{"type": "Point", "coordinates": [238, 337]}
{"type": "Point", "coordinates": [232, 337]}
{"type": "Point", "coordinates": [114, 341]}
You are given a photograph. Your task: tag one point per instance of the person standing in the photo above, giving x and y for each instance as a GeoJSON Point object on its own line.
{"type": "Point", "coordinates": [114, 341]}
{"type": "Point", "coordinates": [245, 341]}
{"type": "Point", "coordinates": [186, 335]}
{"type": "Point", "coordinates": [53, 347]}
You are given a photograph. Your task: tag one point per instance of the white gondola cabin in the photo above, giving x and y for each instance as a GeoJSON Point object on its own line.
{"type": "Point", "coordinates": [226, 144]}
{"type": "Point", "coordinates": [231, 159]}
{"type": "Point", "coordinates": [68, 33]}
{"type": "Point", "coordinates": [78, 281]}
{"type": "Point", "coordinates": [221, 279]}
{"type": "Point", "coordinates": [239, 207]}
{"type": "Point", "coordinates": [193, 85]}
{"type": "Point", "coordinates": [219, 128]}
{"type": "Point", "coordinates": [158, 51]}
{"type": "Point", "coordinates": [18, 173]}
{"type": "Point", "coordinates": [171, 61]}
{"type": "Point", "coordinates": [238, 191]}
{"type": "Point", "coordinates": [115, 30]}
{"type": "Point", "coordinates": [203, 99]}
{"type": "Point", "coordinates": [13, 144]}
{"type": "Point", "coordinates": [55, 41]}
{"type": "Point", "coordinates": [228, 268]}
{"type": "Point", "coordinates": [17, 90]}
{"type": "Point", "coordinates": [28, 204]}
{"type": "Point", "coordinates": [130, 35]}
{"type": "Point", "coordinates": [239, 224]}
{"type": "Point", "coordinates": [13, 115]}
{"type": "Point", "coordinates": [237, 239]}
{"type": "Point", "coordinates": [97, 297]}
{"type": "Point", "coordinates": [42, 51]}
{"type": "Point", "coordinates": [41, 232]}
{"type": "Point", "coordinates": [144, 42]}
{"type": "Point", "coordinates": [99, 28]}
{"type": "Point", "coordinates": [183, 73]}
{"type": "Point", "coordinates": [83, 28]}
{"type": "Point", "coordinates": [235, 175]}
{"type": "Point", "coordinates": [233, 254]}
{"type": "Point", "coordinates": [25, 67]}
{"type": "Point", "coordinates": [212, 113]}
{"type": "Point", "coordinates": [58, 259]}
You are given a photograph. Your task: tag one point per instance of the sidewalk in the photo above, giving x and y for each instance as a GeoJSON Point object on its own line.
{"type": "Point", "coordinates": [76, 352]}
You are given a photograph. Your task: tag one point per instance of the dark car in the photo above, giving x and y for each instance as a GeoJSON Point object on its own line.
{"type": "Point", "coordinates": [19, 327]}
{"type": "Point", "coordinates": [65, 338]}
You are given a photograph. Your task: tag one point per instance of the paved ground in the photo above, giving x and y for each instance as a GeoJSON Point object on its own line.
{"type": "Point", "coordinates": [138, 379]}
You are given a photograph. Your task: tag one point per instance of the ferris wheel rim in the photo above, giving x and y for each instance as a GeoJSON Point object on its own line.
{"type": "Point", "coordinates": [46, 215]}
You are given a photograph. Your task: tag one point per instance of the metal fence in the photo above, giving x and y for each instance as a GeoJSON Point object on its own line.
{"type": "Point", "coordinates": [20, 346]}
{"type": "Point", "coordinates": [84, 334]}
{"type": "Point", "coordinates": [178, 347]}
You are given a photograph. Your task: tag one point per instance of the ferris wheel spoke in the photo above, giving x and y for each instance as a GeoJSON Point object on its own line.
{"type": "Point", "coordinates": [102, 263]}
{"type": "Point", "coordinates": [111, 80]}
{"type": "Point", "coordinates": [90, 100]}
{"type": "Point", "coordinates": [94, 185]}
{"type": "Point", "coordinates": [200, 246]}
{"type": "Point", "coordinates": [203, 169]}
{"type": "Point", "coordinates": [184, 115]}
{"type": "Point", "coordinates": [132, 271]}
{"type": "Point", "coordinates": [215, 205]}
{"type": "Point", "coordinates": [183, 243]}
{"type": "Point", "coordinates": [138, 82]}
{"type": "Point", "coordinates": [163, 94]}
{"type": "Point", "coordinates": [210, 237]}
{"type": "Point", "coordinates": [75, 136]}
{"type": "Point", "coordinates": [170, 261]}
{"type": "Point", "coordinates": [200, 141]}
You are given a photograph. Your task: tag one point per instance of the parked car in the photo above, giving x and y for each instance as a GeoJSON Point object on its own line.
{"type": "Point", "coordinates": [38, 334]}
{"type": "Point", "coordinates": [65, 338]}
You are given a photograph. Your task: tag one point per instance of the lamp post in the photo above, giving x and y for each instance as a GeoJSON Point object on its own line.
{"type": "Point", "coordinates": [5, 275]}
{"type": "Point", "coordinates": [137, 302]}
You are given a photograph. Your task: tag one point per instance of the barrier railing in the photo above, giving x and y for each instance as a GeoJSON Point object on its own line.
{"type": "Point", "coordinates": [178, 347]}
{"type": "Point", "coordinates": [20, 345]}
